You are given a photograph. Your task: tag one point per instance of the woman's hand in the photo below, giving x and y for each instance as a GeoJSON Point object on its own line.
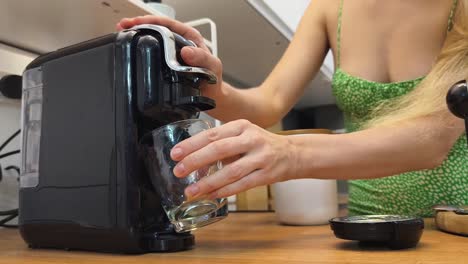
{"type": "Point", "coordinates": [258, 158]}
{"type": "Point", "coordinates": [197, 57]}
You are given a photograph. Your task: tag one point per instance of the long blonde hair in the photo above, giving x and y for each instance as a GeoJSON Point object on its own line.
{"type": "Point", "coordinates": [428, 98]}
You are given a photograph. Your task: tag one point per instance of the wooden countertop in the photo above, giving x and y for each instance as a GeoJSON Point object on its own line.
{"type": "Point", "coordinates": [257, 238]}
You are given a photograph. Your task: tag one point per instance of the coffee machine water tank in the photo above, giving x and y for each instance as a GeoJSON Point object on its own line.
{"type": "Point", "coordinates": [85, 108]}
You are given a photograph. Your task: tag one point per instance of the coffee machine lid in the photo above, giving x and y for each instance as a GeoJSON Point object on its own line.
{"type": "Point", "coordinates": [169, 39]}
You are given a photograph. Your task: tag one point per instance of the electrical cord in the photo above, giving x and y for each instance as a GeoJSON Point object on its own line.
{"type": "Point", "coordinates": [15, 168]}
{"type": "Point", "coordinates": [9, 214]}
{"type": "Point", "coordinates": [10, 139]}
{"type": "Point", "coordinates": [10, 87]}
{"type": "Point", "coordinates": [3, 222]}
{"type": "Point", "coordinates": [9, 154]}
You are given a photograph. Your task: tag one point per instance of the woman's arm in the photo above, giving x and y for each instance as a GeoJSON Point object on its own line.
{"type": "Point", "coordinates": [423, 143]}
{"type": "Point", "coordinates": [264, 158]}
{"type": "Point", "coordinates": [267, 104]}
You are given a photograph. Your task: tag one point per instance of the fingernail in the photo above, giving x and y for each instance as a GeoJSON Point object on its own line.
{"type": "Point", "coordinates": [176, 153]}
{"type": "Point", "coordinates": [192, 190]}
{"type": "Point", "coordinates": [179, 169]}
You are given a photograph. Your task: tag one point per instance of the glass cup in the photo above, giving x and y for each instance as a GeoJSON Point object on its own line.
{"type": "Point", "coordinates": [184, 213]}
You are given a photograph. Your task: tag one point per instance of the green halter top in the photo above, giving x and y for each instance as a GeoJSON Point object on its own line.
{"type": "Point", "coordinates": [412, 193]}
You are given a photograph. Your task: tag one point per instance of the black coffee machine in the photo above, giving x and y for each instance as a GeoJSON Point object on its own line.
{"type": "Point", "coordinates": [85, 109]}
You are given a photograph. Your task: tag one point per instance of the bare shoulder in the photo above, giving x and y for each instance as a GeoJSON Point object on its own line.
{"type": "Point", "coordinates": [325, 10]}
{"type": "Point", "coordinates": [326, 7]}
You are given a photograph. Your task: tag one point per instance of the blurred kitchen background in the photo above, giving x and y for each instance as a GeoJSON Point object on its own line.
{"type": "Point", "coordinates": [251, 35]}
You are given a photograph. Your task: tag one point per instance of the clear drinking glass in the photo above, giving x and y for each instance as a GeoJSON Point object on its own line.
{"type": "Point", "coordinates": [185, 214]}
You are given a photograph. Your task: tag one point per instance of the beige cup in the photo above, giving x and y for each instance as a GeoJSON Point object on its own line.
{"type": "Point", "coordinates": [305, 201]}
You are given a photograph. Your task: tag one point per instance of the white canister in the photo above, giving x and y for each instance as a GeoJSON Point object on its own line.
{"type": "Point", "coordinates": [305, 201]}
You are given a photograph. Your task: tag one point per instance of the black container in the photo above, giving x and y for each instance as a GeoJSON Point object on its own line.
{"type": "Point", "coordinates": [397, 232]}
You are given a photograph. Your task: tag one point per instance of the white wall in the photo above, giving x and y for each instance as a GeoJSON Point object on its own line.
{"type": "Point", "coordinates": [12, 61]}
{"type": "Point", "coordinates": [290, 13]}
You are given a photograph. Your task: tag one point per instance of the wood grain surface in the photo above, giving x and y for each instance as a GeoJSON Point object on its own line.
{"type": "Point", "coordinates": [257, 238]}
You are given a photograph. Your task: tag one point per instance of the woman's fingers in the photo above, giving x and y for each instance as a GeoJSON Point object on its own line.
{"type": "Point", "coordinates": [264, 158]}
{"type": "Point", "coordinates": [125, 23]}
{"type": "Point", "coordinates": [201, 58]}
{"type": "Point", "coordinates": [254, 179]}
{"type": "Point", "coordinates": [221, 149]}
{"type": "Point", "coordinates": [229, 174]}
{"type": "Point", "coordinates": [202, 139]}
{"type": "Point", "coordinates": [230, 160]}
{"type": "Point", "coordinates": [180, 28]}
{"type": "Point", "coordinates": [119, 27]}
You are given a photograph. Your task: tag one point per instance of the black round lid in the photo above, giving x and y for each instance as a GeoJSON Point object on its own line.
{"type": "Point", "coordinates": [395, 230]}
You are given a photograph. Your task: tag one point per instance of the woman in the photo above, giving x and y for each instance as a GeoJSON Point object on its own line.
{"type": "Point", "coordinates": [400, 128]}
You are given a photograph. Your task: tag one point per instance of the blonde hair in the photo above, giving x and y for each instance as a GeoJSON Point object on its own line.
{"type": "Point", "coordinates": [428, 98]}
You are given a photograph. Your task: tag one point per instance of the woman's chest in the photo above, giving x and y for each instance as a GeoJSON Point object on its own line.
{"type": "Point", "coordinates": [388, 41]}
{"type": "Point", "coordinates": [357, 97]}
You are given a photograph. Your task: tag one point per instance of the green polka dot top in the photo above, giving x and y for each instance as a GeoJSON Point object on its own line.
{"type": "Point", "coordinates": [412, 193]}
